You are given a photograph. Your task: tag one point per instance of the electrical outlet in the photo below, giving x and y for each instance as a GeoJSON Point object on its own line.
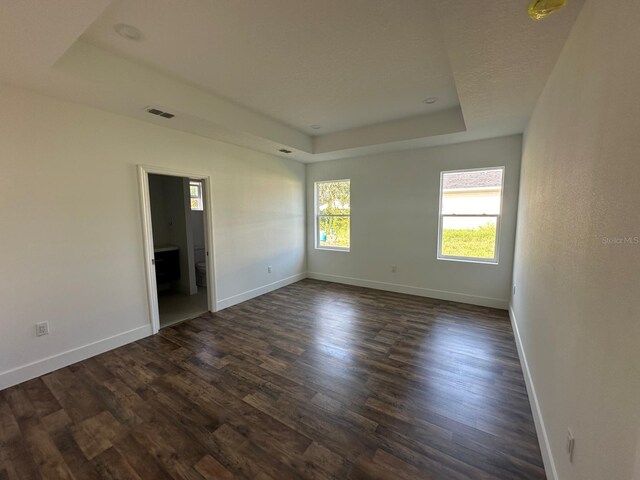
{"type": "Point", "coordinates": [571, 441]}
{"type": "Point", "coordinates": [42, 328]}
{"type": "Point", "coordinates": [269, 269]}
{"type": "Point", "coordinates": [394, 269]}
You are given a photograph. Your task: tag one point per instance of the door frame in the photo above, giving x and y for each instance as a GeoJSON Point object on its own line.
{"type": "Point", "coordinates": [147, 231]}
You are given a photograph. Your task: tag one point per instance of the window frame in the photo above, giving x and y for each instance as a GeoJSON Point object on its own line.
{"type": "Point", "coordinates": [452, 258]}
{"type": "Point", "coordinates": [317, 217]}
{"type": "Point", "coordinates": [200, 197]}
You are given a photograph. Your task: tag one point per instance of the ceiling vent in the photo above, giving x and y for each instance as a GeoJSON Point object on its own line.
{"type": "Point", "coordinates": [160, 113]}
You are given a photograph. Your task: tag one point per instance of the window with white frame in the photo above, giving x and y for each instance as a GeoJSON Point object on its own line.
{"type": "Point", "coordinates": [470, 214]}
{"type": "Point", "coordinates": [333, 215]}
{"type": "Point", "coordinates": [195, 191]}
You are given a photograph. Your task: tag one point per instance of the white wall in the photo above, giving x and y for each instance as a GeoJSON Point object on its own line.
{"type": "Point", "coordinates": [394, 221]}
{"type": "Point", "coordinates": [71, 247]}
{"type": "Point", "coordinates": [197, 232]}
{"type": "Point", "coordinates": [577, 306]}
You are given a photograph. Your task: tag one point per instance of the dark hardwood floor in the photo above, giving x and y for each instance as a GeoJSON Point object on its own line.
{"type": "Point", "coordinates": [312, 381]}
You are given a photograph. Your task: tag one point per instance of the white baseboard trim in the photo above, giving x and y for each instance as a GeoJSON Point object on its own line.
{"type": "Point", "coordinates": [54, 362]}
{"type": "Point", "coordinates": [408, 289]}
{"type": "Point", "coordinates": [256, 292]}
{"type": "Point", "coordinates": [543, 439]}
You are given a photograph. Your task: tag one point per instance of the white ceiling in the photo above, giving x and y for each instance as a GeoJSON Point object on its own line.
{"type": "Point", "coordinates": [340, 64]}
{"type": "Point", "coordinates": [259, 74]}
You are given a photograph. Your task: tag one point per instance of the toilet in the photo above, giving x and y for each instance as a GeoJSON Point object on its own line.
{"type": "Point", "coordinates": [201, 274]}
{"type": "Point", "coordinates": [201, 266]}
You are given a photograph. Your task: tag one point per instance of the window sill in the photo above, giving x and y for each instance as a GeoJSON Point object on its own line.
{"type": "Point", "coordinates": [469, 260]}
{"type": "Point", "coordinates": [334, 249]}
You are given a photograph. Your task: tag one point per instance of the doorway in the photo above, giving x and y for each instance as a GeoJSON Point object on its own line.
{"type": "Point", "coordinates": [178, 234]}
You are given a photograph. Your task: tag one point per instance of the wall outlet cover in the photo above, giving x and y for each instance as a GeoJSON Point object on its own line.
{"type": "Point", "coordinates": [42, 328]}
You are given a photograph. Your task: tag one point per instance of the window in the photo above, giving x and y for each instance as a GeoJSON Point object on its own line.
{"type": "Point", "coordinates": [195, 190]}
{"type": "Point", "coordinates": [333, 215]}
{"type": "Point", "coordinates": [470, 211]}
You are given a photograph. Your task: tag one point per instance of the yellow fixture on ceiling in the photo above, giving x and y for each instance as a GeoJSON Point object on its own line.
{"type": "Point", "coordinates": [539, 9]}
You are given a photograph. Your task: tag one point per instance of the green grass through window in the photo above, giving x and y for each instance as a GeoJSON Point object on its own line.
{"type": "Point", "coordinates": [473, 242]}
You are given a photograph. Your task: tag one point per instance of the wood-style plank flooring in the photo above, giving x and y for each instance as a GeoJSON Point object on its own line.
{"type": "Point", "coordinates": [312, 381]}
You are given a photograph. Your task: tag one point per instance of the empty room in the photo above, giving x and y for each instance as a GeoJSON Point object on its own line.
{"type": "Point", "coordinates": [337, 239]}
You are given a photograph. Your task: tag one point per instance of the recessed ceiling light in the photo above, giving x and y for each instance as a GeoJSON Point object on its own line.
{"type": "Point", "coordinates": [128, 31]}
{"type": "Point", "coordinates": [430, 100]}
{"type": "Point", "coordinates": [316, 127]}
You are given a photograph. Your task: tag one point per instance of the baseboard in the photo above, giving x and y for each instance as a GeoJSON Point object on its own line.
{"type": "Point", "coordinates": [545, 447]}
{"type": "Point", "coordinates": [54, 362]}
{"type": "Point", "coordinates": [256, 292]}
{"type": "Point", "coordinates": [408, 289]}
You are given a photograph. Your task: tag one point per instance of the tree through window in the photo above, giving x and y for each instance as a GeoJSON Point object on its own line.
{"type": "Point", "coordinates": [333, 214]}
{"type": "Point", "coordinates": [195, 192]}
